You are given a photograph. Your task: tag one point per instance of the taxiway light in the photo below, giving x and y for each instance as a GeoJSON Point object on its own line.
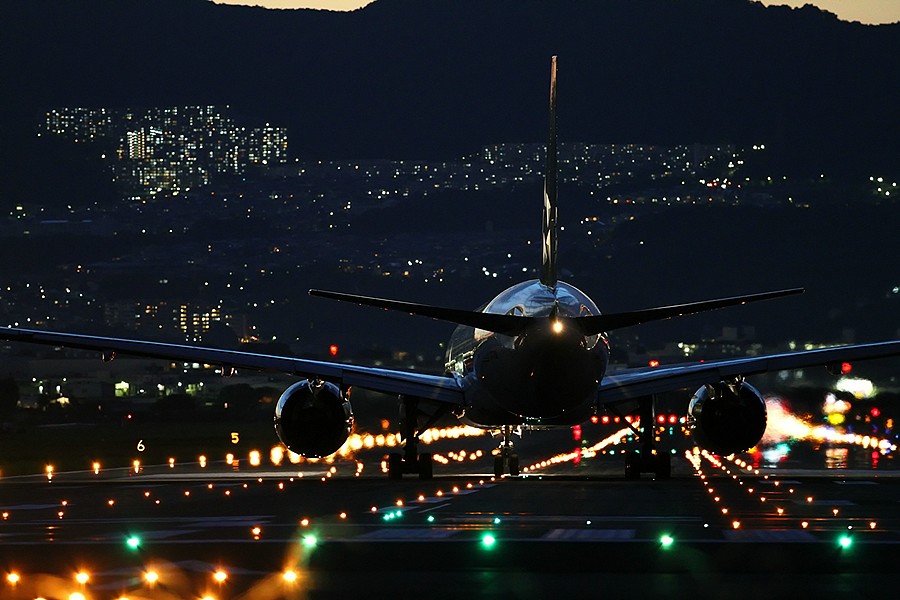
{"type": "Point", "coordinates": [488, 540]}
{"type": "Point", "coordinates": [666, 540]}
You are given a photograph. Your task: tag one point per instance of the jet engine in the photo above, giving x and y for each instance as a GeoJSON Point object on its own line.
{"type": "Point", "coordinates": [727, 417]}
{"type": "Point", "coordinates": [313, 418]}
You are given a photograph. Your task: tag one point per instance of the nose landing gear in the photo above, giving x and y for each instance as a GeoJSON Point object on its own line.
{"type": "Point", "coordinates": [506, 461]}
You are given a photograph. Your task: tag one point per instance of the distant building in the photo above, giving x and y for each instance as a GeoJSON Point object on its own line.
{"type": "Point", "coordinates": [170, 150]}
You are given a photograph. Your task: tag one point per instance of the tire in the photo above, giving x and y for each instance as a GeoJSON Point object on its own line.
{"type": "Point", "coordinates": [395, 466]}
{"type": "Point", "coordinates": [498, 466]}
{"type": "Point", "coordinates": [632, 466]}
{"type": "Point", "coordinates": [662, 464]}
{"type": "Point", "coordinates": [425, 464]}
{"type": "Point", "coordinates": [514, 465]}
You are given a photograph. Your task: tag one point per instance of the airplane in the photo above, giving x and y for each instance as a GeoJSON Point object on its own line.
{"type": "Point", "coordinates": [535, 357]}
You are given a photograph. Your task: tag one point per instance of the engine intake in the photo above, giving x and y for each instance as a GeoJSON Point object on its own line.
{"type": "Point", "coordinates": [313, 419]}
{"type": "Point", "coordinates": [727, 417]}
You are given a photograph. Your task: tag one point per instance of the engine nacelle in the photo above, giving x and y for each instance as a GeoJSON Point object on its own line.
{"type": "Point", "coordinates": [313, 419]}
{"type": "Point", "coordinates": [727, 417]}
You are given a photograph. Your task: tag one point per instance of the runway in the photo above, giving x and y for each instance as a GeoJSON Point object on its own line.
{"type": "Point", "coordinates": [717, 528]}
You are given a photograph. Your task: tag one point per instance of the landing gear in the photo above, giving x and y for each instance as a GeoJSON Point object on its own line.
{"type": "Point", "coordinates": [648, 459]}
{"type": "Point", "coordinates": [506, 461]}
{"type": "Point", "coordinates": [410, 461]}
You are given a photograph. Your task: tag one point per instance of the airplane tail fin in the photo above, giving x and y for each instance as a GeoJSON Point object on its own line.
{"type": "Point", "coordinates": [548, 233]}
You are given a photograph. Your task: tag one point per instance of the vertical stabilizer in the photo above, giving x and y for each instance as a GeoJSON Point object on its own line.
{"type": "Point", "coordinates": [548, 263]}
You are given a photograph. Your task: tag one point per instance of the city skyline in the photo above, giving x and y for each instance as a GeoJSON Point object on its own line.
{"type": "Point", "coordinates": [869, 12]}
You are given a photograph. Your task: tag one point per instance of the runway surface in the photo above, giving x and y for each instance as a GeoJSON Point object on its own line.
{"type": "Point", "coordinates": [717, 528]}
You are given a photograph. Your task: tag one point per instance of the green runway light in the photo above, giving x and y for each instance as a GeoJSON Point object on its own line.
{"type": "Point", "coordinates": [310, 541]}
{"type": "Point", "coordinates": [666, 540]}
{"type": "Point", "coordinates": [133, 542]}
{"type": "Point", "coordinates": [488, 540]}
{"type": "Point", "coordinates": [496, 520]}
{"type": "Point", "coordinates": [431, 518]}
{"type": "Point", "coordinates": [845, 541]}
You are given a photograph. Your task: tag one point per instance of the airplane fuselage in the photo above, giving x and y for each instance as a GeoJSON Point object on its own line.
{"type": "Point", "coordinates": [544, 377]}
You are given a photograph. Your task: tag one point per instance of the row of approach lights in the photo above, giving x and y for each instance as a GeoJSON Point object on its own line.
{"type": "Point", "coordinates": [696, 457]}
{"type": "Point", "coordinates": [355, 442]}
{"type": "Point", "coordinates": [150, 577]}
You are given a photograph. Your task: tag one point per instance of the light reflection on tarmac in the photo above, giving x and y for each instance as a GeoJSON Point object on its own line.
{"type": "Point", "coordinates": [329, 530]}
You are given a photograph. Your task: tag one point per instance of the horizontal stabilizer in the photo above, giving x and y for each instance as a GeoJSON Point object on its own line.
{"type": "Point", "coordinates": [503, 324]}
{"type": "Point", "coordinates": [599, 323]}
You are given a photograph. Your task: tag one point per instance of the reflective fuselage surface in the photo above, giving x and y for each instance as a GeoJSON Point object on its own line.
{"type": "Point", "coordinates": [547, 376]}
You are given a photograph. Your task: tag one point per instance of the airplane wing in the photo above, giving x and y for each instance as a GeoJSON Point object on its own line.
{"type": "Point", "coordinates": [635, 383]}
{"type": "Point", "coordinates": [419, 385]}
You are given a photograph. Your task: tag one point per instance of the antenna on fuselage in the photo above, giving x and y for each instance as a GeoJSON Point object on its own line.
{"type": "Point", "coordinates": [548, 233]}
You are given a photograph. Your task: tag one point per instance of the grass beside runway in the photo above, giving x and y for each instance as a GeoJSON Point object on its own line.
{"type": "Point", "coordinates": [76, 446]}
